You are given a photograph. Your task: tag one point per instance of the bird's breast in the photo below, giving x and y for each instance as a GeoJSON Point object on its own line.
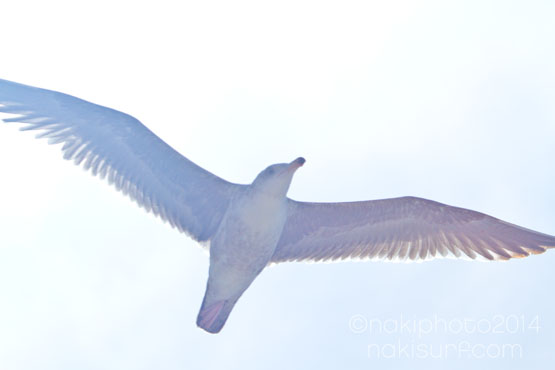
{"type": "Point", "coordinates": [249, 231]}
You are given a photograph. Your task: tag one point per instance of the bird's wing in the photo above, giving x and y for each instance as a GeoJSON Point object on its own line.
{"type": "Point", "coordinates": [115, 145]}
{"type": "Point", "coordinates": [405, 229]}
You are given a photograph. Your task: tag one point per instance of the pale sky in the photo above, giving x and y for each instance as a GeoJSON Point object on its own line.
{"type": "Point", "coordinates": [451, 101]}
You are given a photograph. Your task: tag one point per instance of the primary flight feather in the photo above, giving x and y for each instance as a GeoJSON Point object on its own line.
{"type": "Point", "coordinates": [250, 226]}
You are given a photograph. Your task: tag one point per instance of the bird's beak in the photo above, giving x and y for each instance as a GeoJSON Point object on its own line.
{"type": "Point", "coordinates": [296, 163]}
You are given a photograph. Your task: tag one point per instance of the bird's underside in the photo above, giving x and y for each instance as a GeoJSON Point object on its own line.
{"type": "Point", "coordinates": [116, 146]}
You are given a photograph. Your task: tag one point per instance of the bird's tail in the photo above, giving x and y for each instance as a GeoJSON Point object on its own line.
{"type": "Point", "coordinates": [213, 317]}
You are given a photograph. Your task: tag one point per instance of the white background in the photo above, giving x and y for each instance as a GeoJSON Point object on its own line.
{"type": "Point", "coordinates": [452, 101]}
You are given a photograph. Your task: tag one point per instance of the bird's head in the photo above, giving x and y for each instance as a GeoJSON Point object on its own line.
{"type": "Point", "coordinates": [275, 179]}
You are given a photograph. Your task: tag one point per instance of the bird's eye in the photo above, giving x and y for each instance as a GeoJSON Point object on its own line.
{"type": "Point", "coordinates": [271, 171]}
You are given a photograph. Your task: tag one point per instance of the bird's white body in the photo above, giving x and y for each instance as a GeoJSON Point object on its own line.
{"type": "Point", "coordinates": [249, 226]}
{"type": "Point", "coordinates": [244, 242]}
{"type": "Point", "coordinates": [243, 245]}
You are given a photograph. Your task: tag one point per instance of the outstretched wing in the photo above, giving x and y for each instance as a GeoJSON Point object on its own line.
{"type": "Point", "coordinates": [115, 145]}
{"type": "Point", "coordinates": [405, 228]}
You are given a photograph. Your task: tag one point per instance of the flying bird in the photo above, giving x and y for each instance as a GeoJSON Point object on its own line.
{"type": "Point", "coordinates": [248, 227]}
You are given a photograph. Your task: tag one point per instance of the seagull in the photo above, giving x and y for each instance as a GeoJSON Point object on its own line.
{"type": "Point", "coordinates": [248, 227]}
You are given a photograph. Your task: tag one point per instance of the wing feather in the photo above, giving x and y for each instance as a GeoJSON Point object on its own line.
{"type": "Point", "coordinates": [116, 146]}
{"type": "Point", "coordinates": [407, 228]}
